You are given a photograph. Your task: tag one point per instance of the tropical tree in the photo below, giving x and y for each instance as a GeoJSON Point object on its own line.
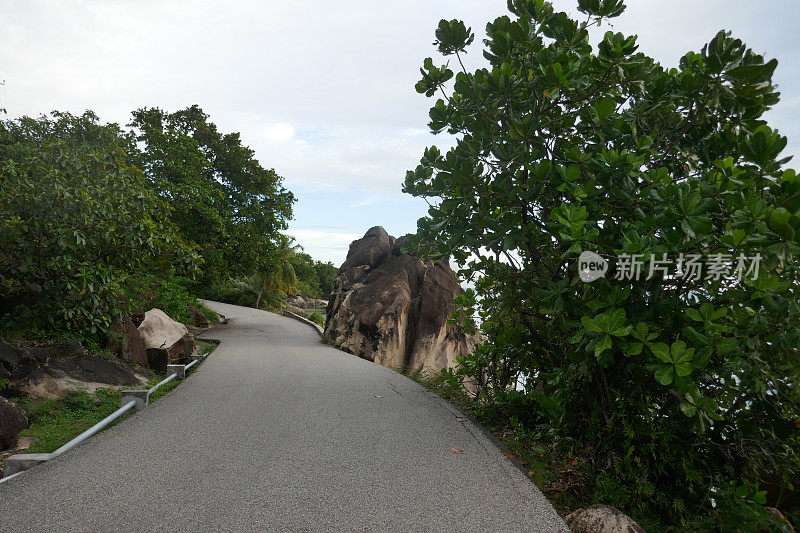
{"type": "Point", "coordinates": [222, 198]}
{"type": "Point", "coordinates": [274, 282]}
{"type": "Point", "coordinates": [681, 391]}
{"type": "Point", "coordinates": [76, 222]}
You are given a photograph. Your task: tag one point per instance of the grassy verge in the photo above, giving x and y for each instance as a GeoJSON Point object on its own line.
{"type": "Point", "coordinates": [53, 422]}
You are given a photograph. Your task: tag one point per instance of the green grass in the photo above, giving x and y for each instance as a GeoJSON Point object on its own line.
{"type": "Point", "coordinates": [53, 422]}
{"type": "Point", "coordinates": [317, 318]}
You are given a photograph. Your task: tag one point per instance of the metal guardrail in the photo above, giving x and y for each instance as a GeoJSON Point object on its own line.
{"type": "Point", "coordinates": [22, 462]}
{"type": "Point", "coordinates": [157, 385]}
{"type": "Point", "coordinates": [97, 428]}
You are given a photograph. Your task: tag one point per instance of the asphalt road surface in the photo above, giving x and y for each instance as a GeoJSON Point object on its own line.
{"type": "Point", "coordinates": [278, 432]}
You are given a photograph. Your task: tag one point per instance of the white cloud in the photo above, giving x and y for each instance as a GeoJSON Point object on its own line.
{"type": "Point", "coordinates": [319, 243]}
{"type": "Point", "coordinates": [278, 133]}
{"type": "Point", "coordinates": [322, 91]}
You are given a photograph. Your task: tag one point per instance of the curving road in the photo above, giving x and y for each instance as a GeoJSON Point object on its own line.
{"type": "Point", "coordinates": [279, 432]}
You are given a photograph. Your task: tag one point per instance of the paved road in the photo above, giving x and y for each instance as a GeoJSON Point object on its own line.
{"type": "Point", "coordinates": [279, 432]}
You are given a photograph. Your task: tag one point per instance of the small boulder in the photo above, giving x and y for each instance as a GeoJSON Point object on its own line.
{"type": "Point", "coordinates": [12, 421]}
{"type": "Point", "coordinates": [601, 519]}
{"type": "Point", "coordinates": [296, 311]}
{"type": "Point", "coordinates": [181, 351]}
{"type": "Point", "coordinates": [166, 340]}
{"type": "Point", "coordinates": [160, 331]}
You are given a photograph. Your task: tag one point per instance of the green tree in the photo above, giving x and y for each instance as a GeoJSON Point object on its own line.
{"type": "Point", "coordinates": [683, 393]}
{"type": "Point", "coordinates": [76, 221]}
{"type": "Point", "coordinates": [276, 280]}
{"type": "Point", "coordinates": [222, 198]}
{"type": "Point", "coordinates": [307, 278]}
{"type": "Point", "coordinates": [326, 273]}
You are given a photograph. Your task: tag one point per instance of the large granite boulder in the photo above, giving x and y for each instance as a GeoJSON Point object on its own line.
{"type": "Point", "coordinates": [601, 519]}
{"type": "Point", "coordinates": [12, 421]}
{"type": "Point", "coordinates": [393, 308]}
{"type": "Point", "coordinates": [166, 341]}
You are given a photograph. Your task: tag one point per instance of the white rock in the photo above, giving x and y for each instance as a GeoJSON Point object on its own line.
{"type": "Point", "coordinates": [160, 331]}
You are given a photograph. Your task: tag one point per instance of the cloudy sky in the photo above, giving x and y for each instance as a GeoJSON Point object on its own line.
{"type": "Point", "coordinates": [323, 91]}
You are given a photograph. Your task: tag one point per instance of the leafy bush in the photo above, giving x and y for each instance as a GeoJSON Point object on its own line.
{"type": "Point", "coordinates": [685, 391]}
{"type": "Point", "coordinates": [209, 313]}
{"type": "Point", "coordinates": [317, 318]}
{"type": "Point", "coordinates": [75, 221]}
{"type": "Point", "coordinates": [171, 294]}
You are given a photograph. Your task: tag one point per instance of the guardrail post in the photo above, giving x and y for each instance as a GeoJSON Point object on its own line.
{"type": "Point", "coordinates": [142, 398]}
{"type": "Point", "coordinates": [22, 461]}
{"type": "Point", "coordinates": [178, 370]}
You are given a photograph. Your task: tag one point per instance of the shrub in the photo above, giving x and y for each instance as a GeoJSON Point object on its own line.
{"type": "Point", "coordinates": [75, 221]}
{"type": "Point", "coordinates": [684, 390]}
{"type": "Point", "coordinates": [317, 318]}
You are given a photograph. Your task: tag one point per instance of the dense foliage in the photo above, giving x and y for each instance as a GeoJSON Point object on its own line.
{"type": "Point", "coordinates": [314, 278]}
{"type": "Point", "coordinates": [97, 221]}
{"type": "Point", "coordinates": [76, 219]}
{"type": "Point", "coordinates": [678, 392]}
{"type": "Point", "coordinates": [221, 197]}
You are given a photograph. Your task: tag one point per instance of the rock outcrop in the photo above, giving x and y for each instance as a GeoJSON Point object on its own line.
{"type": "Point", "coordinates": [601, 519]}
{"type": "Point", "coordinates": [128, 343]}
{"type": "Point", "coordinates": [393, 308]}
{"type": "Point", "coordinates": [39, 371]}
{"type": "Point", "coordinates": [307, 303]}
{"type": "Point", "coordinates": [166, 340]}
{"type": "Point", "coordinates": [12, 421]}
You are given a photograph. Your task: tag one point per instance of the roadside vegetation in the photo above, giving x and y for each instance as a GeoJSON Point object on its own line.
{"type": "Point", "coordinates": [671, 396]}
{"type": "Point", "coordinates": [54, 422]}
{"type": "Point", "coordinates": [97, 221]}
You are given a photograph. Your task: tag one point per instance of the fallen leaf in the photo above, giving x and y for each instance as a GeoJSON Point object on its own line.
{"type": "Point", "coordinates": [461, 419]}
{"type": "Point", "coordinates": [456, 450]}
{"type": "Point", "coordinates": [378, 396]}
{"type": "Point", "coordinates": [507, 455]}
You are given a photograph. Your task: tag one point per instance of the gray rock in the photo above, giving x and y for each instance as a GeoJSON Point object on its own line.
{"type": "Point", "coordinates": [296, 311]}
{"type": "Point", "coordinates": [37, 371]}
{"type": "Point", "coordinates": [601, 519]}
{"type": "Point", "coordinates": [393, 308]}
{"type": "Point", "coordinates": [12, 421]}
{"type": "Point", "coordinates": [131, 347]}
